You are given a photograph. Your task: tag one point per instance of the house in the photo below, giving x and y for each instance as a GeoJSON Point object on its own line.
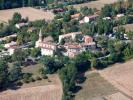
{"type": "Point", "coordinates": [88, 39]}
{"type": "Point", "coordinates": [107, 18]}
{"type": "Point", "coordinates": [87, 19]}
{"type": "Point", "coordinates": [72, 50]}
{"type": "Point", "coordinates": [13, 46]}
{"type": "Point", "coordinates": [19, 25]}
{"type": "Point", "coordinates": [10, 44]}
{"type": "Point", "coordinates": [120, 15]}
{"type": "Point", "coordinates": [76, 16]}
{"type": "Point", "coordinates": [10, 36]}
{"type": "Point", "coordinates": [47, 48]}
{"type": "Point", "coordinates": [12, 49]}
{"type": "Point", "coordinates": [69, 35]}
{"type": "Point", "coordinates": [88, 46]}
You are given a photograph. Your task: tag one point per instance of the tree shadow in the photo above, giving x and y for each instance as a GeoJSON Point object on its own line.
{"type": "Point", "coordinates": [80, 78]}
{"type": "Point", "coordinates": [12, 86]}
{"type": "Point", "coordinates": [77, 89]}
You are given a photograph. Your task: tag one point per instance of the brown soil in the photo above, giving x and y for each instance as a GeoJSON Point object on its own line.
{"type": "Point", "coordinates": [34, 92]}
{"type": "Point", "coordinates": [121, 76]}
{"type": "Point", "coordinates": [31, 13]}
{"type": "Point", "coordinates": [95, 4]}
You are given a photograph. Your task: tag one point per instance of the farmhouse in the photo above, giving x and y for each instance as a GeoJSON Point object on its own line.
{"type": "Point", "coordinates": [47, 48]}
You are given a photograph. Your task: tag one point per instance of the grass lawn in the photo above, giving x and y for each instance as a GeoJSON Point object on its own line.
{"type": "Point", "coordinates": [95, 87]}
{"type": "Point", "coordinates": [32, 69]}
{"type": "Point", "coordinates": [128, 27]}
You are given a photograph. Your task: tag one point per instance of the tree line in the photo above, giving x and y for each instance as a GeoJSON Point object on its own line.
{"type": "Point", "coordinates": [7, 4]}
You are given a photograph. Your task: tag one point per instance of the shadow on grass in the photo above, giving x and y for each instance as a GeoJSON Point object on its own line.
{"type": "Point", "coordinates": [77, 89]}
{"type": "Point", "coordinates": [12, 86]}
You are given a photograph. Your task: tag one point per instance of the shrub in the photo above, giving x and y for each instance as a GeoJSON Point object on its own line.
{"type": "Point", "coordinates": [25, 81]}
{"type": "Point", "coordinates": [45, 77]}
{"type": "Point", "coordinates": [19, 83]}
{"type": "Point", "coordinates": [27, 77]}
{"type": "Point", "coordinates": [31, 79]}
{"type": "Point", "coordinates": [38, 78]}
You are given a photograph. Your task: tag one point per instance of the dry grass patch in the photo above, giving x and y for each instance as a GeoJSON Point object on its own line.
{"type": "Point", "coordinates": [31, 13]}
{"type": "Point", "coordinates": [128, 27]}
{"type": "Point", "coordinates": [121, 76]}
{"type": "Point", "coordinates": [95, 4]}
{"type": "Point", "coordinates": [35, 91]}
{"type": "Point", "coordinates": [94, 88]}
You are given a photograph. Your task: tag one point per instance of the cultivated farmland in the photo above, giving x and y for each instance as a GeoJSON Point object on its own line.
{"type": "Point", "coordinates": [97, 88]}
{"type": "Point", "coordinates": [121, 76]}
{"type": "Point", "coordinates": [31, 13]}
{"type": "Point", "coordinates": [52, 91]}
{"type": "Point", "coordinates": [95, 4]}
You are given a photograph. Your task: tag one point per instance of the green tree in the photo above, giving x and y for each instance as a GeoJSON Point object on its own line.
{"type": "Point", "coordinates": [68, 78]}
{"type": "Point", "coordinates": [15, 72]}
{"type": "Point", "coordinates": [3, 74]}
{"type": "Point", "coordinates": [35, 52]}
{"type": "Point", "coordinates": [86, 11]}
{"type": "Point", "coordinates": [127, 53]}
{"type": "Point", "coordinates": [51, 65]}
{"type": "Point", "coordinates": [93, 63]}
{"type": "Point", "coordinates": [2, 2]}
{"type": "Point", "coordinates": [16, 18]}
{"type": "Point", "coordinates": [19, 56]}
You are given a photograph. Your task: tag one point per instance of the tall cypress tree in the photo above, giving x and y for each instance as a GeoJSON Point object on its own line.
{"type": "Point", "coordinates": [3, 73]}
{"type": "Point", "coordinates": [2, 4]}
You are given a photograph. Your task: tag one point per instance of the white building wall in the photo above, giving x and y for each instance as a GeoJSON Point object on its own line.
{"type": "Point", "coordinates": [47, 52]}
{"type": "Point", "coordinates": [11, 51]}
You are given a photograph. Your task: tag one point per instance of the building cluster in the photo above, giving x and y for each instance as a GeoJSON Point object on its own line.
{"type": "Point", "coordinates": [12, 46]}
{"type": "Point", "coordinates": [76, 43]}
{"type": "Point", "coordinates": [70, 49]}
